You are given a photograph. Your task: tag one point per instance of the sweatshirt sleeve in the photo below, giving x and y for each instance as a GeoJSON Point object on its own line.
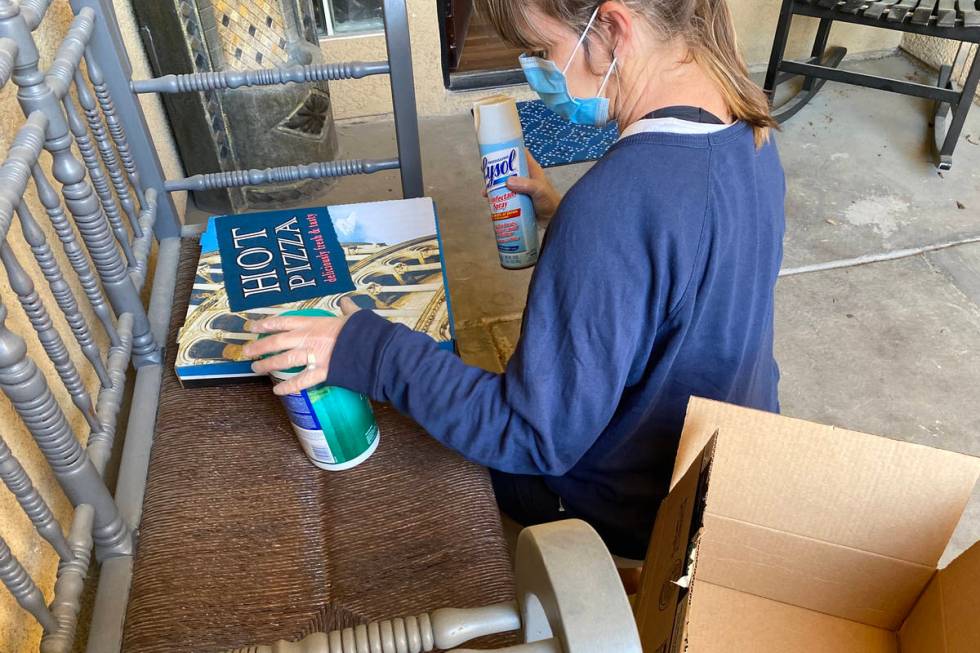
{"type": "Point", "coordinates": [581, 331]}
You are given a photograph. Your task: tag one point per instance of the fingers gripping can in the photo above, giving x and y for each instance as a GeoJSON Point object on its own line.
{"type": "Point", "coordinates": [335, 426]}
{"type": "Point", "coordinates": [501, 139]}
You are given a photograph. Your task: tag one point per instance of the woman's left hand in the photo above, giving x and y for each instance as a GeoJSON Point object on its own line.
{"type": "Point", "coordinates": [300, 342]}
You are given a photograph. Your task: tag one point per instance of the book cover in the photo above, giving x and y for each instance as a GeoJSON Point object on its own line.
{"type": "Point", "coordinates": [391, 251]}
{"type": "Point", "coordinates": [279, 257]}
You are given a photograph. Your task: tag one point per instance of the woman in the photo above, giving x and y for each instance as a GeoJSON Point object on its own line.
{"type": "Point", "coordinates": [655, 281]}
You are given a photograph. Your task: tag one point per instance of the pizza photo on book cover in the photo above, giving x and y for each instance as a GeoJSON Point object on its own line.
{"type": "Point", "coordinates": [385, 256]}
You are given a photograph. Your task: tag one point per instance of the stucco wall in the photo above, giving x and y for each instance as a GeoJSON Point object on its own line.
{"type": "Point", "coordinates": [755, 21]}
{"type": "Point", "coordinates": [936, 52]}
{"type": "Point", "coordinates": [17, 631]}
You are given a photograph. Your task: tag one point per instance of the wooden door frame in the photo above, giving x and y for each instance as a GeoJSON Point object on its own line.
{"type": "Point", "coordinates": [472, 80]}
{"type": "Point", "coordinates": [441, 7]}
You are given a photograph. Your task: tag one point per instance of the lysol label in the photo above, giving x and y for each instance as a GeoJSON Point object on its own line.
{"type": "Point", "coordinates": [498, 167]}
{"type": "Point", "coordinates": [512, 214]}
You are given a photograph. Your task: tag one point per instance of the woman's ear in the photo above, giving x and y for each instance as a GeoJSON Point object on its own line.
{"type": "Point", "coordinates": [616, 22]}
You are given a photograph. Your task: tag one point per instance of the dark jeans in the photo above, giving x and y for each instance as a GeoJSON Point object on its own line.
{"type": "Point", "coordinates": [529, 501]}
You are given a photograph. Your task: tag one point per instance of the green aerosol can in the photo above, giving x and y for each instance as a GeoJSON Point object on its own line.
{"type": "Point", "coordinates": [335, 426]}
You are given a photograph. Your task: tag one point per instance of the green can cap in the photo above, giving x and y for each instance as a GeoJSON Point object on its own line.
{"type": "Point", "coordinates": [307, 312]}
{"type": "Point", "coordinates": [299, 312]}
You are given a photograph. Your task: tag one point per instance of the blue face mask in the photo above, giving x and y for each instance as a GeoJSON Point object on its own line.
{"type": "Point", "coordinates": [550, 83]}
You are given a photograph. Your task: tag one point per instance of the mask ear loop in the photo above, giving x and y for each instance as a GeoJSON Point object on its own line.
{"type": "Point", "coordinates": [581, 40]}
{"type": "Point", "coordinates": [605, 80]}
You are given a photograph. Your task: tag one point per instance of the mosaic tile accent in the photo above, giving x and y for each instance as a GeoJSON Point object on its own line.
{"type": "Point", "coordinates": [251, 33]}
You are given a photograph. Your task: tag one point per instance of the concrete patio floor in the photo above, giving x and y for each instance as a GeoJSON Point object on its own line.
{"type": "Point", "coordinates": [891, 348]}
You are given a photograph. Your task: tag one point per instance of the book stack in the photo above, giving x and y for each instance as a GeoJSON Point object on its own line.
{"type": "Point", "coordinates": [386, 256]}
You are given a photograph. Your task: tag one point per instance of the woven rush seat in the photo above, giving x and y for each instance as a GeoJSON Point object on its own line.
{"type": "Point", "coordinates": [244, 542]}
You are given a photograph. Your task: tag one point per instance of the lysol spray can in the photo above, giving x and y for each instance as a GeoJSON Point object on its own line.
{"type": "Point", "coordinates": [501, 139]}
{"type": "Point", "coordinates": [335, 427]}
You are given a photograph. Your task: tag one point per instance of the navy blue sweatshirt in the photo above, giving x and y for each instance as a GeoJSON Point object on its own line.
{"type": "Point", "coordinates": [655, 283]}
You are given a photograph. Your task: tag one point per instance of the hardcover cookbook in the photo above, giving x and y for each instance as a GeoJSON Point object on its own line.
{"type": "Point", "coordinates": [386, 256]}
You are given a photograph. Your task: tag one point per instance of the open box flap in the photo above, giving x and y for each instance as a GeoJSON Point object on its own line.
{"type": "Point", "coordinates": [946, 618]}
{"type": "Point", "coordinates": [668, 557]}
{"type": "Point", "coordinates": [722, 620]}
{"type": "Point", "coordinates": [835, 580]}
{"type": "Point", "coordinates": [870, 493]}
{"type": "Point", "coordinates": [835, 522]}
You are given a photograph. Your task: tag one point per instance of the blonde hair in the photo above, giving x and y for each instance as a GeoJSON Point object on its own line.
{"type": "Point", "coordinates": [706, 26]}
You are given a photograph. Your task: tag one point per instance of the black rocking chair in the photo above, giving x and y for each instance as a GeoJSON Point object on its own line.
{"type": "Point", "coordinates": [948, 19]}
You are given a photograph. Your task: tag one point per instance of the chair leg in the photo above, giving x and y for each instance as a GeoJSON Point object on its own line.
{"type": "Point", "coordinates": [950, 133]}
{"type": "Point", "coordinates": [942, 108]}
{"type": "Point", "coordinates": [831, 59]}
{"type": "Point", "coordinates": [403, 97]}
{"type": "Point", "coordinates": [778, 47]}
{"type": "Point", "coordinates": [819, 45]}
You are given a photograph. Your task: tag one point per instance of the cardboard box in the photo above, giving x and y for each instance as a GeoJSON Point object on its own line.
{"type": "Point", "coordinates": [783, 536]}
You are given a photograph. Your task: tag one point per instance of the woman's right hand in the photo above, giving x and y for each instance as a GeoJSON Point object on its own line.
{"type": "Point", "coordinates": [538, 187]}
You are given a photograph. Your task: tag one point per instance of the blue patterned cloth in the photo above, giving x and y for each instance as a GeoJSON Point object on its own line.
{"type": "Point", "coordinates": [554, 141]}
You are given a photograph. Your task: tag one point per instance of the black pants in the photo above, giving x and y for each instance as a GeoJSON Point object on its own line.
{"type": "Point", "coordinates": [529, 501]}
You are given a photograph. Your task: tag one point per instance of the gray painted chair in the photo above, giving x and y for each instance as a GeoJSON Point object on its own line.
{"type": "Point", "coordinates": [569, 600]}
{"type": "Point", "coordinates": [117, 200]}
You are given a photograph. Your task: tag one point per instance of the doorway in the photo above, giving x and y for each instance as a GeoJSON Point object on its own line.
{"type": "Point", "coordinates": [474, 56]}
